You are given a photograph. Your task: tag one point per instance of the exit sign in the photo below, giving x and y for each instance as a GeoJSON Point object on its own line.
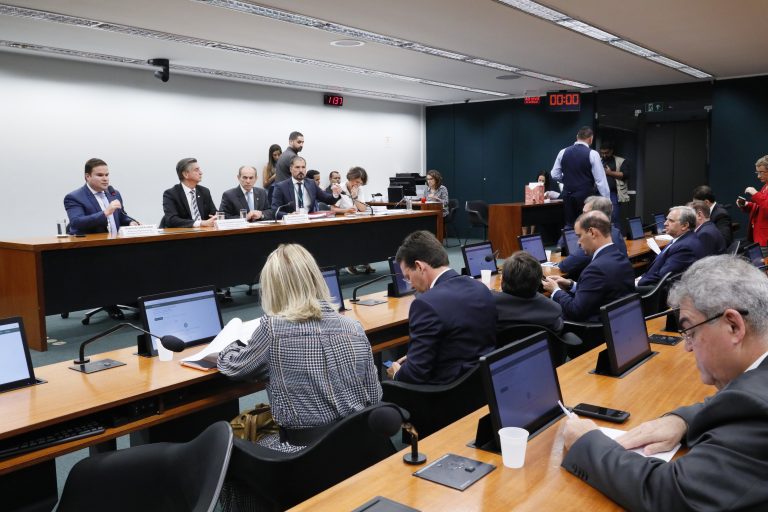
{"type": "Point", "coordinates": [655, 106]}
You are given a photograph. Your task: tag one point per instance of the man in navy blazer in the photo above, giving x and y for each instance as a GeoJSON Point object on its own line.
{"type": "Point", "coordinates": [681, 252]}
{"type": "Point", "coordinates": [712, 241]}
{"type": "Point", "coordinates": [578, 261]}
{"type": "Point", "coordinates": [96, 207]}
{"type": "Point", "coordinates": [725, 325]}
{"type": "Point", "coordinates": [452, 322]}
{"type": "Point", "coordinates": [236, 199]}
{"type": "Point", "coordinates": [718, 215]}
{"type": "Point", "coordinates": [188, 204]}
{"type": "Point", "coordinates": [287, 192]}
{"type": "Point", "coordinates": [609, 276]}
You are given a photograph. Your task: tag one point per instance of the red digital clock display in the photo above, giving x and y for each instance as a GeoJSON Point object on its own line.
{"type": "Point", "coordinates": [564, 101]}
{"type": "Point", "coordinates": [333, 100]}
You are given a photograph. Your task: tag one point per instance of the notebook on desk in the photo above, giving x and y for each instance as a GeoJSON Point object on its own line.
{"type": "Point", "coordinates": [16, 369]}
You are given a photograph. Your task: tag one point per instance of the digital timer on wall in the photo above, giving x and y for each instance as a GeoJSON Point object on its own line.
{"type": "Point", "coordinates": [333, 100]}
{"type": "Point", "coordinates": [564, 101]}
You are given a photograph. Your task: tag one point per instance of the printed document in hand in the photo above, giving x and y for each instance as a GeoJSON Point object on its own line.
{"type": "Point", "coordinates": [235, 330]}
{"type": "Point", "coordinates": [613, 433]}
{"type": "Point", "coordinates": [653, 245]}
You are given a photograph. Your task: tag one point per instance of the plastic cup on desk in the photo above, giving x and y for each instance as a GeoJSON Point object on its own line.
{"type": "Point", "coordinates": [61, 228]}
{"type": "Point", "coordinates": [243, 213]}
{"type": "Point", "coordinates": [163, 354]}
{"type": "Point", "coordinates": [485, 277]}
{"type": "Point", "coordinates": [549, 255]}
{"type": "Point", "coordinates": [220, 215]}
{"type": "Point", "coordinates": [513, 442]}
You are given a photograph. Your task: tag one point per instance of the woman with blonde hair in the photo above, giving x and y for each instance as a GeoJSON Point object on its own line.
{"type": "Point", "coordinates": [318, 364]}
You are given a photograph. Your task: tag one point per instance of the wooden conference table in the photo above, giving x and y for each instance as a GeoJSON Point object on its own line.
{"type": "Point", "coordinates": [663, 383]}
{"type": "Point", "coordinates": [48, 275]}
{"type": "Point", "coordinates": [418, 205]}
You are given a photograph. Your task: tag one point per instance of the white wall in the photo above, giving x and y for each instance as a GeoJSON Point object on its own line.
{"type": "Point", "coordinates": [56, 114]}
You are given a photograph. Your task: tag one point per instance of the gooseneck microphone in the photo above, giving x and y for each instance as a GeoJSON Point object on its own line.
{"type": "Point", "coordinates": [387, 419]}
{"type": "Point", "coordinates": [277, 212]}
{"type": "Point", "coordinates": [354, 292]}
{"type": "Point", "coordinates": [492, 257]}
{"type": "Point", "coordinates": [113, 193]}
{"type": "Point", "coordinates": [357, 201]}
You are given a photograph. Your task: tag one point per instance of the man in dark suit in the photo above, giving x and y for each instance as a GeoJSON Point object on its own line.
{"type": "Point", "coordinates": [718, 215]}
{"type": "Point", "coordinates": [609, 276]}
{"type": "Point", "coordinates": [726, 466]}
{"type": "Point", "coordinates": [712, 241]}
{"type": "Point", "coordinates": [246, 197]}
{"type": "Point", "coordinates": [295, 193]}
{"type": "Point", "coordinates": [188, 204]}
{"type": "Point", "coordinates": [582, 173]}
{"type": "Point", "coordinates": [681, 252]}
{"type": "Point", "coordinates": [578, 261]}
{"type": "Point", "coordinates": [96, 207]}
{"type": "Point", "coordinates": [452, 322]}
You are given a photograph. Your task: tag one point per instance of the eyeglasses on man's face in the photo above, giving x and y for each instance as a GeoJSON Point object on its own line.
{"type": "Point", "coordinates": [688, 333]}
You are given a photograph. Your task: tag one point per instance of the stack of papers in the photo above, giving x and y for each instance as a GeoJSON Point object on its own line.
{"type": "Point", "coordinates": [613, 433]}
{"type": "Point", "coordinates": [235, 330]}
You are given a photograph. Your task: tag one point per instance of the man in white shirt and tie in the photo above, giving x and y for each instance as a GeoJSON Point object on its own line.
{"type": "Point", "coordinates": [188, 204]}
{"type": "Point", "coordinates": [246, 198]}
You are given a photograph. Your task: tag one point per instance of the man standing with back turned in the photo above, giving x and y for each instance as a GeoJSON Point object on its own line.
{"type": "Point", "coordinates": [292, 150]}
{"type": "Point", "coordinates": [581, 171]}
{"type": "Point", "coordinates": [723, 304]}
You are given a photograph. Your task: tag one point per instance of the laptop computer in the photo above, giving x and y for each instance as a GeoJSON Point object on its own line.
{"type": "Point", "coordinates": [331, 277]}
{"type": "Point", "coordinates": [479, 257]}
{"type": "Point", "coordinates": [626, 337]}
{"type": "Point", "coordinates": [16, 369]}
{"type": "Point", "coordinates": [191, 315]}
{"type": "Point", "coordinates": [635, 228]}
{"type": "Point", "coordinates": [522, 389]}
{"type": "Point", "coordinates": [755, 255]}
{"type": "Point", "coordinates": [534, 245]}
{"type": "Point", "coordinates": [571, 241]}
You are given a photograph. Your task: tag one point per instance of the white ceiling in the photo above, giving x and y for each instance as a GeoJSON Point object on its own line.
{"type": "Point", "coordinates": [723, 38]}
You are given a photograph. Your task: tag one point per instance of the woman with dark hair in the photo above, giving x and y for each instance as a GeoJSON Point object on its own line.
{"type": "Point", "coordinates": [269, 170]}
{"type": "Point", "coordinates": [436, 191]}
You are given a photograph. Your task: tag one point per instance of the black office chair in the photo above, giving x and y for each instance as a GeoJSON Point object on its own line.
{"type": "Point", "coordinates": [477, 211]}
{"type": "Point", "coordinates": [450, 222]}
{"type": "Point", "coordinates": [590, 333]}
{"type": "Point", "coordinates": [433, 407]}
{"type": "Point", "coordinates": [558, 343]}
{"type": "Point", "coordinates": [183, 477]}
{"type": "Point", "coordinates": [280, 480]}
{"type": "Point", "coordinates": [655, 300]}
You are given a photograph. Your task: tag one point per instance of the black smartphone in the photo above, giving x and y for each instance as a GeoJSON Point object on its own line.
{"type": "Point", "coordinates": [601, 413]}
{"type": "Point", "coordinates": [662, 339]}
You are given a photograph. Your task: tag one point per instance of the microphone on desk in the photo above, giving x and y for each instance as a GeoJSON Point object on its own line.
{"type": "Point", "coordinates": [354, 292]}
{"type": "Point", "coordinates": [84, 364]}
{"type": "Point", "coordinates": [357, 200]}
{"type": "Point", "coordinates": [113, 193]}
{"type": "Point", "coordinates": [289, 203]}
{"type": "Point", "coordinates": [387, 419]}
{"type": "Point", "coordinates": [492, 257]}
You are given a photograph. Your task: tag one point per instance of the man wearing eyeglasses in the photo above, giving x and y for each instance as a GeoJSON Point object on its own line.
{"type": "Point", "coordinates": [756, 205]}
{"type": "Point", "coordinates": [723, 303]}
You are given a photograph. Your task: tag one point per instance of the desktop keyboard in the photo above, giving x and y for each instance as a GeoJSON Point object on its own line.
{"type": "Point", "coordinates": [51, 436]}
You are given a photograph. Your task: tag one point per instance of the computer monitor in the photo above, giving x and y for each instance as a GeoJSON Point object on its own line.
{"type": "Point", "coordinates": [521, 386]}
{"type": "Point", "coordinates": [659, 219]}
{"type": "Point", "coordinates": [16, 369]}
{"type": "Point", "coordinates": [625, 335]}
{"type": "Point", "coordinates": [399, 286]}
{"type": "Point", "coordinates": [755, 255]}
{"type": "Point", "coordinates": [479, 257]}
{"type": "Point", "coordinates": [571, 241]}
{"type": "Point", "coordinates": [331, 277]}
{"type": "Point", "coordinates": [191, 315]}
{"type": "Point", "coordinates": [395, 194]}
{"type": "Point", "coordinates": [534, 245]}
{"type": "Point", "coordinates": [635, 228]}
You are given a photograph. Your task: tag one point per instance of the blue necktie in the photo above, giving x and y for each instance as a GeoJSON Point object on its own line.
{"type": "Point", "coordinates": [249, 198]}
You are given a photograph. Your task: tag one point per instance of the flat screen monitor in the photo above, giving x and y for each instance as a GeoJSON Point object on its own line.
{"type": "Point", "coordinates": [331, 277]}
{"type": "Point", "coordinates": [534, 245]}
{"type": "Point", "coordinates": [395, 194]}
{"type": "Point", "coordinates": [659, 219]}
{"type": "Point", "coordinates": [479, 257]}
{"type": "Point", "coordinates": [192, 315]}
{"type": "Point", "coordinates": [521, 385]}
{"type": "Point", "coordinates": [401, 286]}
{"type": "Point", "coordinates": [571, 241]}
{"type": "Point", "coordinates": [625, 335]}
{"type": "Point", "coordinates": [755, 255]}
{"type": "Point", "coordinates": [635, 228]}
{"type": "Point", "coordinates": [15, 364]}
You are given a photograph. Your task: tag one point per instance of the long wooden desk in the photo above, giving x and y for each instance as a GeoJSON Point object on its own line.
{"type": "Point", "coordinates": [418, 205]}
{"type": "Point", "coordinates": [48, 275]}
{"type": "Point", "coordinates": [664, 382]}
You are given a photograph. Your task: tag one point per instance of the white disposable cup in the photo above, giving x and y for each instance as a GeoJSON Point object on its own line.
{"type": "Point", "coordinates": [163, 354]}
{"type": "Point", "coordinates": [485, 276]}
{"type": "Point", "coordinates": [513, 442]}
{"type": "Point", "coordinates": [549, 255]}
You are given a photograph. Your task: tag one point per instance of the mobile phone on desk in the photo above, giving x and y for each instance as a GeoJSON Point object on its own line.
{"type": "Point", "coordinates": [601, 413]}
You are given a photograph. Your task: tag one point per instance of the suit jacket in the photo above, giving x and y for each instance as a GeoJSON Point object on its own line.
{"type": "Point", "coordinates": [712, 241]}
{"type": "Point", "coordinates": [285, 193]}
{"type": "Point", "coordinates": [85, 213]}
{"type": "Point", "coordinates": [578, 261]}
{"type": "Point", "coordinates": [451, 326]}
{"type": "Point", "coordinates": [176, 207]}
{"type": "Point", "coordinates": [757, 207]}
{"type": "Point", "coordinates": [233, 200]}
{"type": "Point", "coordinates": [675, 258]}
{"type": "Point", "coordinates": [538, 310]}
{"type": "Point", "coordinates": [609, 276]}
{"type": "Point", "coordinates": [725, 468]}
{"type": "Point", "coordinates": [722, 219]}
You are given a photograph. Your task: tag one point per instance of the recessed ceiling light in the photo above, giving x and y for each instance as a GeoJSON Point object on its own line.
{"type": "Point", "coordinates": [347, 43]}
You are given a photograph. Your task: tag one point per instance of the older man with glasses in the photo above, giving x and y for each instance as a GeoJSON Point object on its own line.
{"type": "Point", "coordinates": [723, 303]}
{"type": "Point", "coordinates": [756, 205]}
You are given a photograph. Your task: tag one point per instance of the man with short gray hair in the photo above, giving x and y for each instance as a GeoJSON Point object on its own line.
{"type": "Point", "coordinates": [723, 304]}
{"type": "Point", "coordinates": [681, 252]}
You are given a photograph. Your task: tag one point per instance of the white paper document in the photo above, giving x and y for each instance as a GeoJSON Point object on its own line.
{"type": "Point", "coordinates": [613, 433]}
{"type": "Point", "coordinates": [653, 245]}
{"type": "Point", "coordinates": [235, 330]}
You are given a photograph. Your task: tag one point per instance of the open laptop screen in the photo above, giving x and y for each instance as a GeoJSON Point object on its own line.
{"type": "Point", "coordinates": [402, 286]}
{"type": "Point", "coordinates": [571, 240]}
{"type": "Point", "coordinates": [479, 257]}
{"type": "Point", "coordinates": [331, 277]}
{"type": "Point", "coordinates": [193, 315]}
{"type": "Point", "coordinates": [636, 228]}
{"type": "Point", "coordinates": [15, 363]}
{"type": "Point", "coordinates": [625, 332]}
{"type": "Point", "coordinates": [755, 255]}
{"type": "Point", "coordinates": [533, 245]}
{"type": "Point", "coordinates": [659, 219]}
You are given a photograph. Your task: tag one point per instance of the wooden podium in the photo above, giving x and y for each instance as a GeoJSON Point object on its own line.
{"type": "Point", "coordinates": [506, 220]}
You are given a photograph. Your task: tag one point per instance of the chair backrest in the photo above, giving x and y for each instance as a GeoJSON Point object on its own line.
{"type": "Point", "coordinates": [161, 476]}
{"type": "Point", "coordinates": [282, 480]}
{"type": "Point", "coordinates": [656, 299]}
{"type": "Point", "coordinates": [432, 407]}
{"type": "Point", "coordinates": [478, 213]}
{"type": "Point", "coordinates": [453, 205]}
{"type": "Point", "coordinates": [558, 344]}
{"type": "Point", "coordinates": [591, 335]}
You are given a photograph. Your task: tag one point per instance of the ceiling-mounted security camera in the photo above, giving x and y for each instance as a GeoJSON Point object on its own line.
{"type": "Point", "coordinates": [165, 64]}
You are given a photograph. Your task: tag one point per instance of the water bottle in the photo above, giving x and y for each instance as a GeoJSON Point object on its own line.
{"type": "Point", "coordinates": [408, 204]}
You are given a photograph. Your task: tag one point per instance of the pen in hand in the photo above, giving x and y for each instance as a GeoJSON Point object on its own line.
{"type": "Point", "coordinates": [566, 411]}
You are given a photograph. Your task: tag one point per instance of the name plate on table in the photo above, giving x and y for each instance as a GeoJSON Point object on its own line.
{"type": "Point", "coordinates": [231, 223]}
{"type": "Point", "coordinates": [295, 218]}
{"type": "Point", "coordinates": [142, 230]}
